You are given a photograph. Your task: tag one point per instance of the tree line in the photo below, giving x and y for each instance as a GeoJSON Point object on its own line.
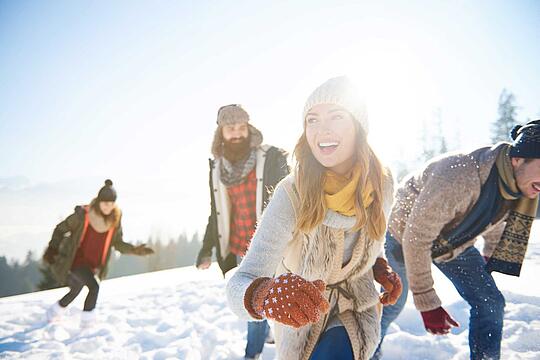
{"type": "Point", "coordinates": [19, 277]}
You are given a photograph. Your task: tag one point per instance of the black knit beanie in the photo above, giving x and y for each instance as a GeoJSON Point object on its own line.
{"type": "Point", "coordinates": [526, 140]}
{"type": "Point", "coordinates": [107, 192]}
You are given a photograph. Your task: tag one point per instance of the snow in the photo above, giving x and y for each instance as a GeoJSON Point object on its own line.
{"type": "Point", "coordinates": [172, 314]}
{"type": "Point", "coordinates": [182, 314]}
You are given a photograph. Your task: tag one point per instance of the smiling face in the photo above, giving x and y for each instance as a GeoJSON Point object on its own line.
{"type": "Point", "coordinates": [331, 135]}
{"type": "Point", "coordinates": [527, 174]}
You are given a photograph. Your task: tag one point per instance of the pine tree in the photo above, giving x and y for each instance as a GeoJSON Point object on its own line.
{"type": "Point", "coordinates": [433, 140]}
{"type": "Point", "coordinates": [47, 279]}
{"type": "Point", "coordinates": [169, 259]}
{"type": "Point", "coordinates": [19, 278]}
{"type": "Point", "coordinates": [154, 261]}
{"type": "Point", "coordinates": [500, 129]}
{"type": "Point", "coordinates": [30, 274]}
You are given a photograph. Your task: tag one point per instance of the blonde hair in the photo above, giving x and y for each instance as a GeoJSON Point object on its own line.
{"type": "Point", "coordinates": [310, 176]}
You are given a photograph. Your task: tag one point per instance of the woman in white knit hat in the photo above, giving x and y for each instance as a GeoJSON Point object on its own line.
{"type": "Point", "coordinates": [317, 249]}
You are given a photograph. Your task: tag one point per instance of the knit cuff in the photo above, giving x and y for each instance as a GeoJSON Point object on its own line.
{"type": "Point", "coordinates": [381, 270]}
{"type": "Point", "coordinates": [254, 297]}
{"type": "Point", "coordinates": [427, 301]}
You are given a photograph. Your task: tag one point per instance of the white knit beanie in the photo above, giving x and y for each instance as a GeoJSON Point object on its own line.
{"type": "Point", "coordinates": [340, 91]}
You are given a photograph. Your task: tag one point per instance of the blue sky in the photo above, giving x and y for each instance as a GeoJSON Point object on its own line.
{"type": "Point", "coordinates": [130, 89]}
{"type": "Point", "coordinates": [80, 78]}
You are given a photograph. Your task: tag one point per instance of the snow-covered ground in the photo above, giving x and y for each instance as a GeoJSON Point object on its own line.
{"type": "Point", "coordinates": [182, 314]}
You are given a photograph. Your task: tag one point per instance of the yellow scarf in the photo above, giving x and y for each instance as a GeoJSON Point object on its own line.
{"type": "Point", "coordinates": [340, 190]}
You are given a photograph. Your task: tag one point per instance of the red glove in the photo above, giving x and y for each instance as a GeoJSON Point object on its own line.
{"type": "Point", "coordinates": [389, 280]}
{"type": "Point", "coordinates": [288, 299]}
{"type": "Point", "coordinates": [438, 321]}
{"type": "Point", "coordinates": [50, 255]}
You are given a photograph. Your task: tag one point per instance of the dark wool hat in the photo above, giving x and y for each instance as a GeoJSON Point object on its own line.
{"type": "Point", "coordinates": [107, 192]}
{"type": "Point", "coordinates": [526, 140]}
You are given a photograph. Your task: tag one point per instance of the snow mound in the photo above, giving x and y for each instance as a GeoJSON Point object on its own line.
{"type": "Point", "coordinates": [182, 314]}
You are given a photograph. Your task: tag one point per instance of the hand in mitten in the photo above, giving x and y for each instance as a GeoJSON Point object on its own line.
{"type": "Point", "coordinates": [142, 250]}
{"type": "Point", "coordinates": [288, 299]}
{"type": "Point", "coordinates": [438, 321]}
{"type": "Point", "coordinates": [50, 255]}
{"type": "Point", "coordinates": [389, 280]}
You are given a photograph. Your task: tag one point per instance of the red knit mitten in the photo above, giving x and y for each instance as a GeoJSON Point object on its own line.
{"type": "Point", "coordinates": [438, 321]}
{"type": "Point", "coordinates": [288, 299]}
{"type": "Point", "coordinates": [389, 280]}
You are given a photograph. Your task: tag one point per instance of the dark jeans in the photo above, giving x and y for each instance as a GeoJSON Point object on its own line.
{"type": "Point", "coordinates": [475, 285]}
{"type": "Point", "coordinates": [257, 331]}
{"type": "Point", "coordinates": [256, 337]}
{"type": "Point", "coordinates": [334, 344]}
{"type": "Point", "coordinates": [394, 254]}
{"type": "Point", "coordinates": [78, 278]}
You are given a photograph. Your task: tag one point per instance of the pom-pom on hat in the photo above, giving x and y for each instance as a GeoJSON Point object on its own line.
{"type": "Point", "coordinates": [107, 192]}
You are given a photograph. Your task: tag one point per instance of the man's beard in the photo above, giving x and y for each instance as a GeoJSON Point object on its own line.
{"type": "Point", "coordinates": [236, 151]}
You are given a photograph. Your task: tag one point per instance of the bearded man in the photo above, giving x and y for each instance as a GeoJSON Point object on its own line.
{"type": "Point", "coordinates": [243, 175]}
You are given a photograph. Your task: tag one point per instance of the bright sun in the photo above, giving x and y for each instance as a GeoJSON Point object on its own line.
{"type": "Point", "coordinates": [400, 97]}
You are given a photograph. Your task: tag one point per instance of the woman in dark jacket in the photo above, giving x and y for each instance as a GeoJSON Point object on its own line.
{"type": "Point", "coordinates": [80, 249]}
